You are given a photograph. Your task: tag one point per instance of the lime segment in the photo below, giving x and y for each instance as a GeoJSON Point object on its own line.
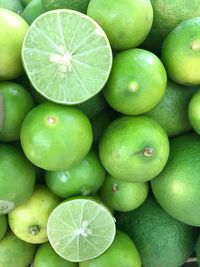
{"type": "Point", "coordinates": [67, 56]}
{"type": "Point", "coordinates": [80, 229]}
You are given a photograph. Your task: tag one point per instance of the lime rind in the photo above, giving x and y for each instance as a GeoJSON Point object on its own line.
{"type": "Point", "coordinates": [80, 229]}
{"type": "Point", "coordinates": [67, 56]}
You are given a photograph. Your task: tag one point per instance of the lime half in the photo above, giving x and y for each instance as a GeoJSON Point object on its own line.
{"type": "Point", "coordinates": [81, 229]}
{"type": "Point", "coordinates": [67, 56]}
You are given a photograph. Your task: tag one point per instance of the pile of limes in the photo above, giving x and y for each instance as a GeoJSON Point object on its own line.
{"type": "Point", "coordinates": [99, 133]}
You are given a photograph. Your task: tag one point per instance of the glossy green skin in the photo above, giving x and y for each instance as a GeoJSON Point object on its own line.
{"type": "Point", "coordinates": [47, 257]}
{"type": "Point", "coordinates": [13, 5]}
{"type": "Point", "coordinates": [175, 101]}
{"type": "Point", "coordinates": [17, 102]}
{"type": "Point", "coordinates": [177, 50]}
{"type": "Point", "coordinates": [33, 10]}
{"type": "Point", "coordinates": [122, 147]}
{"type": "Point", "coordinates": [34, 212]}
{"type": "Point", "coordinates": [177, 188]}
{"type": "Point", "coordinates": [17, 177]}
{"type": "Point", "coordinates": [56, 137]}
{"type": "Point", "coordinates": [15, 252]}
{"type": "Point", "coordinates": [78, 5]}
{"type": "Point", "coordinates": [126, 25]}
{"type": "Point", "coordinates": [123, 196]}
{"type": "Point", "coordinates": [83, 179]}
{"type": "Point", "coordinates": [143, 68]}
{"type": "Point", "coordinates": [3, 225]}
{"type": "Point", "coordinates": [13, 30]}
{"type": "Point", "coordinates": [194, 111]}
{"type": "Point", "coordinates": [161, 240]}
{"type": "Point", "coordinates": [122, 252]}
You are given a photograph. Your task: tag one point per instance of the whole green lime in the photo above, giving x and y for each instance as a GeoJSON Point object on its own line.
{"type": "Point", "coordinates": [17, 102]}
{"type": "Point", "coordinates": [3, 225]}
{"type": "Point", "coordinates": [181, 52]}
{"type": "Point", "coordinates": [13, 5]}
{"type": "Point", "coordinates": [177, 187]}
{"type": "Point", "coordinates": [175, 101]}
{"type": "Point", "coordinates": [33, 10]}
{"type": "Point", "coordinates": [56, 137]}
{"type": "Point", "coordinates": [194, 111]}
{"type": "Point", "coordinates": [160, 239]}
{"type": "Point", "coordinates": [121, 195]}
{"type": "Point", "coordinates": [47, 257]}
{"type": "Point", "coordinates": [127, 91]}
{"type": "Point", "coordinates": [122, 252]}
{"type": "Point", "coordinates": [13, 30]}
{"type": "Point", "coordinates": [134, 148]}
{"type": "Point", "coordinates": [17, 178]}
{"type": "Point", "coordinates": [126, 24]}
{"type": "Point", "coordinates": [14, 252]}
{"type": "Point", "coordinates": [83, 179]}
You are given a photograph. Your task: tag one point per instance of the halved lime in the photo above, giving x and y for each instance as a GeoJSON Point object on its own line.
{"type": "Point", "coordinates": [81, 229]}
{"type": "Point", "coordinates": [67, 56]}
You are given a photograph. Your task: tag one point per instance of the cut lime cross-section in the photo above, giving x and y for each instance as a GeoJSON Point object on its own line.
{"type": "Point", "coordinates": [81, 229]}
{"type": "Point", "coordinates": [67, 56]}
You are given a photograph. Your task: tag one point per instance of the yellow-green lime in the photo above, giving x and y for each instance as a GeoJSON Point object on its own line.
{"type": "Point", "coordinates": [122, 252]}
{"type": "Point", "coordinates": [121, 195]}
{"type": "Point", "coordinates": [134, 148]}
{"type": "Point", "coordinates": [66, 56]}
{"type": "Point", "coordinates": [29, 221]}
{"type": "Point", "coordinates": [13, 5]}
{"type": "Point", "coordinates": [83, 179]}
{"type": "Point", "coordinates": [166, 16]}
{"type": "Point", "coordinates": [17, 178]}
{"type": "Point", "coordinates": [137, 82]}
{"type": "Point", "coordinates": [14, 252]}
{"type": "Point", "coordinates": [175, 101]}
{"type": "Point", "coordinates": [13, 30]}
{"type": "Point", "coordinates": [47, 257]}
{"type": "Point", "coordinates": [56, 137]}
{"type": "Point", "coordinates": [181, 52]}
{"type": "Point", "coordinates": [78, 5]}
{"type": "Point", "coordinates": [177, 187]}
{"type": "Point", "coordinates": [17, 102]}
{"type": "Point", "coordinates": [160, 239]}
{"type": "Point", "coordinates": [126, 24]}
{"type": "Point", "coordinates": [33, 10]}
{"type": "Point", "coordinates": [3, 225]}
{"type": "Point", "coordinates": [194, 111]}
{"type": "Point", "coordinates": [81, 229]}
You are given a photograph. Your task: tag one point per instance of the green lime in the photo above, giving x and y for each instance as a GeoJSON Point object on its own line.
{"type": "Point", "coordinates": [56, 137]}
{"type": "Point", "coordinates": [160, 239]}
{"type": "Point", "coordinates": [177, 188]}
{"type": "Point", "coordinates": [80, 229]}
{"type": "Point", "coordinates": [181, 52]}
{"type": "Point", "coordinates": [166, 16]}
{"type": "Point", "coordinates": [13, 30]}
{"type": "Point", "coordinates": [67, 56]}
{"type": "Point", "coordinates": [175, 101]}
{"type": "Point", "coordinates": [13, 5]}
{"type": "Point", "coordinates": [17, 102]}
{"type": "Point", "coordinates": [121, 195]}
{"type": "Point", "coordinates": [29, 221]}
{"type": "Point", "coordinates": [78, 5]}
{"type": "Point", "coordinates": [15, 252]}
{"type": "Point", "coordinates": [131, 94]}
{"type": "Point", "coordinates": [25, 2]}
{"type": "Point", "coordinates": [33, 10]}
{"type": "Point", "coordinates": [47, 257]}
{"type": "Point", "coordinates": [83, 179]}
{"type": "Point", "coordinates": [194, 111]}
{"type": "Point", "coordinates": [94, 105]}
{"type": "Point", "coordinates": [126, 24]}
{"type": "Point", "coordinates": [134, 148]}
{"type": "Point", "coordinates": [3, 225]}
{"type": "Point", "coordinates": [17, 178]}
{"type": "Point", "coordinates": [122, 253]}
